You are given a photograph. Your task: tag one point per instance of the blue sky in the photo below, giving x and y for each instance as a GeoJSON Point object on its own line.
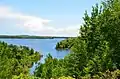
{"type": "Point", "coordinates": [43, 17]}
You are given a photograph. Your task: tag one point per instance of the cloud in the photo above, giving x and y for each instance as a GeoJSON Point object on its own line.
{"type": "Point", "coordinates": [34, 24]}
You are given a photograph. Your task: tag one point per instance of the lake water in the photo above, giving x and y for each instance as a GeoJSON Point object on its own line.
{"type": "Point", "coordinates": [44, 46]}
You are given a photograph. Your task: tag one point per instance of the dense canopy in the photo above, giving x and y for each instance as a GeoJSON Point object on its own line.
{"type": "Point", "coordinates": [15, 60]}
{"type": "Point", "coordinates": [97, 48]}
{"type": "Point", "coordinates": [94, 54]}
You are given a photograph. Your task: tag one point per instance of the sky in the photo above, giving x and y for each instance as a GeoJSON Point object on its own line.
{"type": "Point", "coordinates": [43, 17]}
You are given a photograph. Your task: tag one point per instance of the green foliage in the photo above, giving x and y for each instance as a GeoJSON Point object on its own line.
{"type": "Point", "coordinates": [94, 54]}
{"type": "Point", "coordinates": [106, 75]}
{"type": "Point", "coordinates": [76, 60]}
{"type": "Point", "coordinates": [97, 49]}
{"type": "Point", "coordinates": [52, 68]}
{"type": "Point", "coordinates": [24, 76]}
{"type": "Point", "coordinates": [16, 59]}
{"type": "Point", "coordinates": [65, 44]}
{"type": "Point", "coordinates": [65, 77]}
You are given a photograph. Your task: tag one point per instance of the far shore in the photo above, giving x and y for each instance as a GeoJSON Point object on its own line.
{"type": "Point", "coordinates": [30, 37]}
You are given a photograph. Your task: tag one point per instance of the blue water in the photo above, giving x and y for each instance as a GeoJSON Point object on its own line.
{"type": "Point", "coordinates": [44, 46]}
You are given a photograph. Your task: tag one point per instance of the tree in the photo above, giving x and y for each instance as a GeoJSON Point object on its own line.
{"type": "Point", "coordinates": [15, 60]}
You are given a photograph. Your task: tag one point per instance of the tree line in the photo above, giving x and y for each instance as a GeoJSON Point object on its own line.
{"type": "Point", "coordinates": [94, 54]}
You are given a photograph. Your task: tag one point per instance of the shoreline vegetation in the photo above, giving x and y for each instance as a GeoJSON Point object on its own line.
{"type": "Point", "coordinates": [31, 37]}
{"type": "Point", "coordinates": [16, 59]}
{"type": "Point", "coordinates": [94, 54]}
{"type": "Point", "coordinates": [65, 44]}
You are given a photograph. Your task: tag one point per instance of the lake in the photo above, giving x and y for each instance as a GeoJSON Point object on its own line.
{"type": "Point", "coordinates": [44, 46]}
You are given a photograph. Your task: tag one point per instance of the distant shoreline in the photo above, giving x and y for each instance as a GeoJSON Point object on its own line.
{"type": "Point", "coordinates": [30, 37]}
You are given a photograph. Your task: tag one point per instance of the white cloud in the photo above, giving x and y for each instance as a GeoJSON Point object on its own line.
{"type": "Point", "coordinates": [34, 24]}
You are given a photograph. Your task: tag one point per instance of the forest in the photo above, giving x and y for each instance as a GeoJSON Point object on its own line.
{"type": "Point", "coordinates": [94, 54]}
{"type": "Point", "coordinates": [15, 60]}
{"type": "Point", "coordinates": [30, 37]}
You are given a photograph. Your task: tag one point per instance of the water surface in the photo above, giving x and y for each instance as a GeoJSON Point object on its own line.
{"type": "Point", "coordinates": [44, 46]}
